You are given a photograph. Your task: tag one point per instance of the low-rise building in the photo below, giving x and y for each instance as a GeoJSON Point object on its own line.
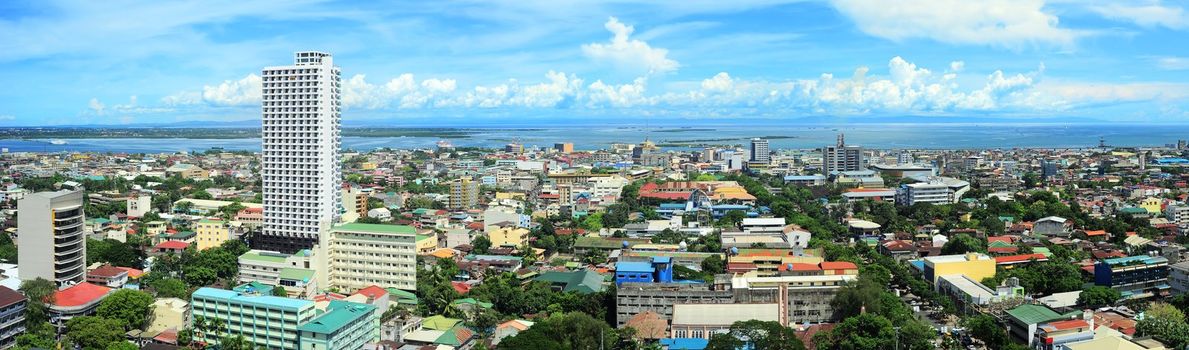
{"type": "Point", "coordinates": [78, 300]}
{"type": "Point", "coordinates": [976, 266]}
{"type": "Point", "coordinates": [343, 325]}
{"type": "Point", "coordinates": [265, 321]}
{"type": "Point", "coordinates": [296, 272]}
{"type": "Point", "coordinates": [108, 275]}
{"type": "Point", "coordinates": [1134, 276]}
{"type": "Point", "coordinates": [633, 298]}
{"type": "Point", "coordinates": [12, 316]}
{"type": "Point", "coordinates": [210, 233]}
{"type": "Point", "coordinates": [362, 255]}
{"type": "Point", "coordinates": [705, 320]}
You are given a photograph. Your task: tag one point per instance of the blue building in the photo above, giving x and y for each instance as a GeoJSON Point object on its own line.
{"type": "Point", "coordinates": [659, 270]}
{"type": "Point", "coordinates": [1134, 276]}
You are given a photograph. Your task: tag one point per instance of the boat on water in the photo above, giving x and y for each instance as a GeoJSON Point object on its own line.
{"type": "Point", "coordinates": [444, 144]}
{"type": "Point", "coordinates": [58, 142]}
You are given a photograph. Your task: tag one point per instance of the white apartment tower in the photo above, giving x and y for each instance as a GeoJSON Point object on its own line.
{"type": "Point", "coordinates": [51, 240]}
{"type": "Point", "coordinates": [301, 140]}
{"type": "Point", "coordinates": [842, 157]}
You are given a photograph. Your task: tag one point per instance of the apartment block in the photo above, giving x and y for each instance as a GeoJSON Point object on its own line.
{"type": "Point", "coordinates": [50, 233]}
{"type": "Point", "coordinates": [266, 321]}
{"type": "Point", "coordinates": [210, 233]}
{"type": "Point", "coordinates": [1134, 276]}
{"type": "Point", "coordinates": [362, 255]}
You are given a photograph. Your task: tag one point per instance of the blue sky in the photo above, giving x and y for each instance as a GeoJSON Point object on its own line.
{"type": "Point", "coordinates": [124, 62]}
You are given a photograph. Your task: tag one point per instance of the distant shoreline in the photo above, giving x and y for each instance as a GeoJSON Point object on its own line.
{"type": "Point", "coordinates": [34, 134]}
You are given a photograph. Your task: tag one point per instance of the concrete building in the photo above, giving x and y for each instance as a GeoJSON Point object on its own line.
{"type": "Point", "coordinates": [296, 273]}
{"type": "Point", "coordinates": [1178, 277]}
{"type": "Point", "coordinates": [464, 194]}
{"type": "Point", "coordinates": [1135, 277]}
{"type": "Point", "coordinates": [1177, 214]}
{"type": "Point", "coordinates": [937, 190]}
{"type": "Point", "coordinates": [759, 151]}
{"type": "Point", "coordinates": [564, 147]}
{"type": "Point", "coordinates": [210, 233]}
{"type": "Point", "coordinates": [507, 236]}
{"type": "Point", "coordinates": [362, 255]}
{"type": "Point", "coordinates": [975, 266]}
{"type": "Point", "coordinates": [1051, 226]}
{"type": "Point", "coordinates": [138, 206]}
{"type": "Point", "coordinates": [50, 234]}
{"type": "Point", "coordinates": [301, 106]}
{"type": "Point", "coordinates": [354, 204]}
{"type": "Point", "coordinates": [343, 326]}
{"type": "Point", "coordinates": [12, 316]}
{"type": "Point", "coordinates": [168, 313]}
{"type": "Point", "coordinates": [841, 157]}
{"type": "Point", "coordinates": [265, 321]}
{"type": "Point", "coordinates": [705, 320]}
{"type": "Point", "coordinates": [633, 298]}
{"type": "Point", "coordinates": [77, 300]}
{"type": "Point", "coordinates": [800, 298]}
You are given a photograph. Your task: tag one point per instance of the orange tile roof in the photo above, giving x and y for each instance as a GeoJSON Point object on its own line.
{"type": "Point", "coordinates": [373, 292]}
{"type": "Point", "coordinates": [80, 294]}
{"type": "Point", "coordinates": [1095, 232]}
{"type": "Point", "coordinates": [1019, 258]}
{"type": "Point", "coordinates": [838, 265]}
{"type": "Point", "coordinates": [1063, 325]}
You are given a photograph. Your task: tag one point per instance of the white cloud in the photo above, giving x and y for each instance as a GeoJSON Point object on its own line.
{"type": "Point", "coordinates": [628, 54]}
{"type": "Point", "coordinates": [7, 117]}
{"type": "Point", "coordinates": [1146, 15]}
{"type": "Point", "coordinates": [625, 95]}
{"type": "Point", "coordinates": [1001, 23]}
{"type": "Point", "coordinates": [96, 106]}
{"type": "Point", "coordinates": [956, 66]}
{"type": "Point", "coordinates": [242, 92]}
{"type": "Point", "coordinates": [1172, 63]}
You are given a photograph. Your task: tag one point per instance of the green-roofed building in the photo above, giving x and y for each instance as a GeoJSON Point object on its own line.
{"type": "Point", "coordinates": [254, 288]}
{"type": "Point", "coordinates": [471, 304]}
{"type": "Point", "coordinates": [1024, 319]}
{"type": "Point", "coordinates": [343, 326]}
{"type": "Point", "coordinates": [402, 297]}
{"type": "Point", "coordinates": [439, 322]}
{"type": "Point", "coordinates": [364, 255]}
{"type": "Point", "coordinates": [581, 281]}
{"type": "Point", "coordinates": [293, 272]}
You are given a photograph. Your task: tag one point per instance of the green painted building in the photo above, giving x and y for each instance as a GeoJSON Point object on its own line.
{"type": "Point", "coordinates": [344, 326]}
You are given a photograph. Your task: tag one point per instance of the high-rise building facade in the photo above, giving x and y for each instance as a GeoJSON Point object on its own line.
{"type": "Point", "coordinates": [301, 141]}
{"type": "Point", "coordinates": [841, 157]}
{"type": "Point", "coordinates": [52, 241]}
{"type": "Point", "coordinates": [464, 194]}
{"type": "Point", "coordinates": [759, 151]}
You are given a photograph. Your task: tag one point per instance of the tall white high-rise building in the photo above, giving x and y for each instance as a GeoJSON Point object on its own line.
{"type": "Point", "coordinates": [301, 167]}
{"type": "Point", "coordinates": [51, 240]}
{"type": "Point", "coordinates": [842, 157]}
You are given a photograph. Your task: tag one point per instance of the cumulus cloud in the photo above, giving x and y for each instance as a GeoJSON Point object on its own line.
{"type": "Point", "coordinates": [1001, 23]}
{"type": "Point", "coordinates": [1147, 15]}
{"type": "Point", "coordinates": [629, 54]}
{"type": "Point", "coordinates": [242, 92]}
{"type": "Point", "coordinates": [96, 106]}
{"type": "Point", "coordinates": [1172, 63]}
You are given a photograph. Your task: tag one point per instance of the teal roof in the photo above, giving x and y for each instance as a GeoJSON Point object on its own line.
{"type": "Point", "coordinates": [338, 314]}
{"type": "Point", "coordinates": [254, 287]}
{"type": "Point", "coordinates": [402, 296]}
{"type": "Point", "coordinates": [258, 300]}
{"type": "Point", "coordinates": [472, 301]}
{"type": "Point", "coordinates": [581, 281]}
{"type": "Point", "coordinates": [1144, 259]}
{"type": "Point", "coordinates": [376, 228]}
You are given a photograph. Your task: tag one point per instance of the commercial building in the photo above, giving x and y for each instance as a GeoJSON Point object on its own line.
{"type": "Point", "coordinates": [265, 321]}
{"type": "Point", "coordinates": [362, 255]}
{"type": "Point", "coordinates": [705, 320]}
{"type": "Point", "coordinates": [975, 266]}
{"type": "Point", "coordinates": [1178, 277]}
{"type": "Point", "coordinates": [1177, 214]}
{"type": "Point", "coordinates": [138, 206]}
{"type": "Point", "coordinates": [842, 157]}
{"type": "Point", "coordinates": [12, 316]}
{"type": "Point", "coordinates": [936, 190]}
{"type": "Point", "coordinates": [464, 194]}
{"type": "Point", "coordinates": [77, 300]}
{"type": "Point", "coordinates": [296, 273]}
{"type": "Point", "coordinates": [1135, 277]}
{"type": "Point", "coordinates": [343, 326]}
{"type": "Point", "coordinates": [759, 151]}
{"type": "Point", "coordinates": [799, 298]}
{"type": "Point", "coordinates": [301, 106]}
{"type": "Point", "coordinates": [210, 233]}
{"type": "Point", "coordinates": [1024, 320]}
{"type": "Point", "coordinates": [507, 236]}
{"type": "Point", "coordinates": [969, 294]}
{"type": "Point", "coordinates": [51, 237]}
{"type": "Point", "coordinates": [564, 147]}
{"type": "Point", "coordinates": [634, 297]}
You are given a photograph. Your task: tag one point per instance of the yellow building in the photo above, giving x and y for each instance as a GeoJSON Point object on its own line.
{"type": "Point", "coordinates": [367, 166]}
{"type": "Point", "coordinates": [975, 266]}
{"type": "Point", "coordinates": [154, 228]}
{"type": "Point", "coordinates": [1151, 204]}
{"type": "Point", "coordinates": [210, 233]}
{"type": "Point", "coordinates": [509, 195]}
{"type": "Point", "coordinates": [506, 236]}
{"type": "Point", "coordinates": [427, 243]}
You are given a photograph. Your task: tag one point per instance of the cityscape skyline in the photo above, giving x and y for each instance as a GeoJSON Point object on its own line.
{"type": "Point", "coordinates": [1057, 60]}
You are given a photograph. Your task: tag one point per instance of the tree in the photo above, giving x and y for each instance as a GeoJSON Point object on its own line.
{"type": "Point", "coordinates": [1098, 296]}
{"type": "Point", "coordinates": [130, 307]}
{"type": "Point", "coordinates": [40, 292]}
{"type": "Point", "coordinates": [574, 330]}
{"type": "Point", "coordinates": [862, 332]}
{"type": "Point", "coordinates": [732, 218]}
{"type": "Point", "coordinates": [714, 265]}
{"type": "Point", "coordinates": [963, 243]}
{"type": "Point", "coordinates": [122, 345]}
{"type": "Point", "coordinates": [94, 333]}
{"type": "Point", "coordinates": [986, 329]}
{"type": "Point", "coordinates": [758, 335]}
{"type": "Point", "coordinates": [169, 288]}
{"type": "Point", "coordinates": [1165, 323]}
{"type": "Point", "coordinates": [482, 244]}
{"type": "Point", "coordinates": [279, 291]}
